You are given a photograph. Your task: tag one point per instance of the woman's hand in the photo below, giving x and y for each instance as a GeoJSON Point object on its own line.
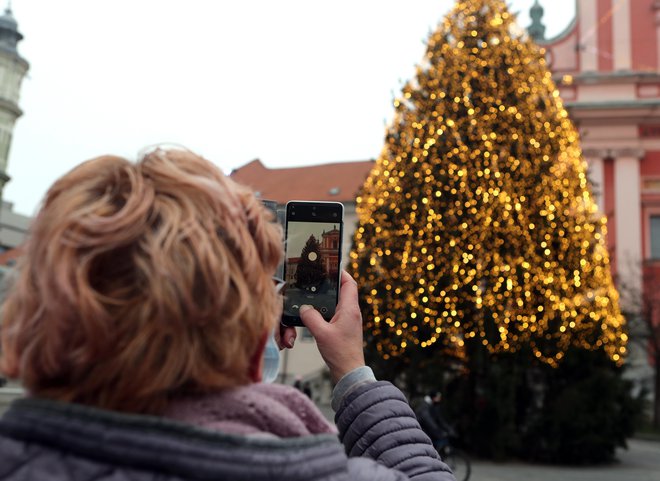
{"type": "Point", "coordinates": [340, 340]}
{"type": "Point", "coordinates": [285, 336]}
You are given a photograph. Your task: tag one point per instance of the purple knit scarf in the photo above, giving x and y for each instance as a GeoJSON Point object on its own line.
{"type": "Point", "coordinates": [256, 409]}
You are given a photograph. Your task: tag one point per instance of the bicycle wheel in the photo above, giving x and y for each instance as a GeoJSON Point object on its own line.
{"type": "Point", "coordinates": [459, 463]}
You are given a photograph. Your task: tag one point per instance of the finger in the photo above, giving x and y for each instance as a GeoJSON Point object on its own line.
{"type": "Point", "coordinates": [289, 335]}
{"type": "Point", "coordinates": [348, 293]}
{"type": "Point", "coordinates": [312, 319]}
{"type": "Point", "coordinates": [277, 335]}
{"type": "Point", "coordinates": [285, 336]}
{"type": "Point", "coordinates": [345, 277]}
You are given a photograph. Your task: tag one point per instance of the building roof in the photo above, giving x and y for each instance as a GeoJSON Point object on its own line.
{"type": "Point", "coordinates": [9, 34]}
{"type": "Point", "coordinates": [339, 181]}
{"type": "Point", "coordinates": [9, 257]}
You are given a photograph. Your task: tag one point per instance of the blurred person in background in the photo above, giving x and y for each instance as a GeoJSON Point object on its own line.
{"type": "Point", "coordinates": [432, 421]}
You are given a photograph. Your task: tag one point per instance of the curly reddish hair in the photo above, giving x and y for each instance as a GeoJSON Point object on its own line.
{"type": "Point", "coordinates": [140, 282]}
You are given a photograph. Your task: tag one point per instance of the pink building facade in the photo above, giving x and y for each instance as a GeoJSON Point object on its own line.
{"type": "Point", "coordinates": [606, 64]}
{"type": "Point", "coordinates": [329, 252]}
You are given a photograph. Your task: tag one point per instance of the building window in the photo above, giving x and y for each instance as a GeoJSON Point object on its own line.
{"type": "Point", "coordinates": [655, 237]}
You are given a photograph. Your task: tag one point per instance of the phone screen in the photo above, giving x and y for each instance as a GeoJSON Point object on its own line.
{"type": "Point", "coordinates": [312, 262]}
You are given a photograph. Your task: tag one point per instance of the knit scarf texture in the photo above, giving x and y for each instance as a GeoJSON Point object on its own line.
{"type": "Point", "coordinates": [263, 410]}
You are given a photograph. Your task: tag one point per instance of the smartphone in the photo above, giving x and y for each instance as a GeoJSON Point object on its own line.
{"type": "Point", "coordinates": [313, 257]}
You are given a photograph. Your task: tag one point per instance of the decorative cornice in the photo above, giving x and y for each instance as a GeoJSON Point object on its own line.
{"type": "Point", "coordinates": [10, 106]}
{"type": "Point", "coordinates": [613, 104]}
{"type": "Point", "coordinates": [617, 77]}
{"type": "Point", "coordinates": [594, 153]}
{"type": "Point", "coordinates": [597, 153]}
{"type": "Point", "coordinates": [634, 152]}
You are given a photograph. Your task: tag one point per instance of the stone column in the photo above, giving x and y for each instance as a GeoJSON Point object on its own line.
{"type": "Point", "coordinates": [622, 38]}
{"type": "Point", "coordinates": [628, 216]}
{"type": "Point", "coordinates": [587, 13]}
{"type": "Point", "coordinates": [596, 176]}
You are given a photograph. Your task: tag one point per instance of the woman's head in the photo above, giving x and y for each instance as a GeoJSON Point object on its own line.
{"type": "Point", "coordinates": [141, 281]}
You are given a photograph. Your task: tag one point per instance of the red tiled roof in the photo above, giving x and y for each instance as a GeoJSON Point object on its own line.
{"type": "Point", "coordinates": [9, 257]}
{"type": "Point", "coordinates": [315, 182]}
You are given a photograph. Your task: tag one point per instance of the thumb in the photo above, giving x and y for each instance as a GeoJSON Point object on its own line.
{"type": "Point", "coordinates": [312, 319]}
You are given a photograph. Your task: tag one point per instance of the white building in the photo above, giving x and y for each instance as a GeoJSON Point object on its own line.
{"type": "Point", "coordinates": [13, 67]}
{"type": "Point", "coordinates": [13, 226]}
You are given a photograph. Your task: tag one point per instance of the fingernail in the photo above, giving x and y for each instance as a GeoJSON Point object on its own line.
{"type": "Point", "coordinates": [305, 307]}
{"type": "Point", "coordinates": [291, 341]}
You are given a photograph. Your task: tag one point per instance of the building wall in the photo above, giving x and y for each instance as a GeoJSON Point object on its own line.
{"type": "Point", "coordinates": [13, 226]}
{"type": "Point", "coordinates": [606, 67]}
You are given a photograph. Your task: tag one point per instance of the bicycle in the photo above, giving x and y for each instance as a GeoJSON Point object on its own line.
{"type": "Point", "coordinates": [457, 460]}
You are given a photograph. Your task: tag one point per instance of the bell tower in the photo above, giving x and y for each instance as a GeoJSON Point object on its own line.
{"type": "Point", "coordinates": [536, 30]}
{"type": "Point", "coordinates": [13, 68]}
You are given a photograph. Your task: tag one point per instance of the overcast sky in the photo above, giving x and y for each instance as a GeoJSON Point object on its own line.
{"type": "Point", "coordinates": [291, 82]}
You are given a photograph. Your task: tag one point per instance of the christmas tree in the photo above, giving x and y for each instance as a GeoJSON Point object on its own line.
{"type": "Point", "coordinates": [311, 271]}
{"type": "Point", "coordinates": [477, 224]}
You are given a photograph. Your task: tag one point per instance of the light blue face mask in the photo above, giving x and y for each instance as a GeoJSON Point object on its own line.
{"type": "Point", "coordinates": [271, 360]}
{"type": "Point", "coordinates": [272, 352]}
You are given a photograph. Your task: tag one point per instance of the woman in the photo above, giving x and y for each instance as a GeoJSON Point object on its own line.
{"type": "Point", "coordinates": [138, 322]}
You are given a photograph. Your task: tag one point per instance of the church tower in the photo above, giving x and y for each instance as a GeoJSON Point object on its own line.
{"type": "Point", "coordinates": [13, 68]}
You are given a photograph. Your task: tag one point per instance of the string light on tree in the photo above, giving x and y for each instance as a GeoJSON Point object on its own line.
{"type": "Point", "coordinates": [477, 222]}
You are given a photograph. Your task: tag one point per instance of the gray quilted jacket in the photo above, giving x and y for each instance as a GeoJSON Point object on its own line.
{"type": "Point", "coordinates": [48, 441]}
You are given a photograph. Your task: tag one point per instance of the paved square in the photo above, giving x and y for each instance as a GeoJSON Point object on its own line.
{"type": "Point", "coordinates": [641, 462]}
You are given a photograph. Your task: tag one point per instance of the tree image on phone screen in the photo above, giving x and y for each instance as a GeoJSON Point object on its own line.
{"type": "Point", "coordinates": [312, 267]}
